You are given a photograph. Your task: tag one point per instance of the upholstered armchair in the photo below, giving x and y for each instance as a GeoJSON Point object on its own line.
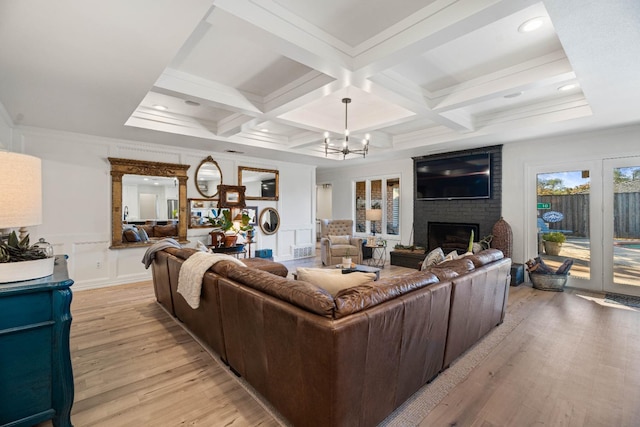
{"type": "Point", "coordinates": [337, 240]}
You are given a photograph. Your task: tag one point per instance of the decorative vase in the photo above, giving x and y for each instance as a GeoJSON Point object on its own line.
{"type": "Point", "coordinates": [502, 237]}
{"type": "Point", "coordinates": [346, 262]}
{"type": "Point", "coordinates": [552, 248]}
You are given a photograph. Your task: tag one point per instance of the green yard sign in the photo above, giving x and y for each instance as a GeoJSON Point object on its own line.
{"type": "Point", "coordinates": [544, 205]}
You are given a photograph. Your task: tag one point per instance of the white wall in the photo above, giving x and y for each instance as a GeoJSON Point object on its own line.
{"type": "Point", "coordinates": [77, 200]}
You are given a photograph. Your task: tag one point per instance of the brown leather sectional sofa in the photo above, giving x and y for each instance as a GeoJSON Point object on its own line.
{"type": "Point", "coordinates": [348, 360]}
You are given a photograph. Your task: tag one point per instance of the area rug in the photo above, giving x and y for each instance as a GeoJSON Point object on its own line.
{"type": "Point", "coordinates": [418, 406]}
{"type": "Point", "coordinates": [627, 300]}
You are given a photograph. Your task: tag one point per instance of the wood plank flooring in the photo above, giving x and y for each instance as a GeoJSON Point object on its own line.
{"type": "Point", "coordinates": [571, 361]}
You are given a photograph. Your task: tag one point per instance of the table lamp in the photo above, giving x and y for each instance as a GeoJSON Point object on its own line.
{"type": "Point", "coordinates": [21, 206]}
{"type": "Point", "coordinates": [373, 215]}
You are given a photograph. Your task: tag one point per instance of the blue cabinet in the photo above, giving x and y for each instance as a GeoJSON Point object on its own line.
{"type": "Point", "coordinates": [36, 378]}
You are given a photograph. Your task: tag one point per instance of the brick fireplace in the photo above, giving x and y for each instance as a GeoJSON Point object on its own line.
{"type": "Point", "coordinates": [482, 213]}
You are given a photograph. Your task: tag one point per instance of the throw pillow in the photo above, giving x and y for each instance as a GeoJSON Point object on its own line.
{"type": "Point", "coordinates": [333, 280]}
{"type": "Point", "coordinates": [339, 240]}
{"type": "Point", "coordinates": [143, 235]}
{"type": "Point", "coordinates": [434, 257]}
{"type": "Point", "coordinates": [450, 257]}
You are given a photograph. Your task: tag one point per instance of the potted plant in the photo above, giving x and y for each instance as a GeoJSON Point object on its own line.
{"type": "Point", "coordinates": [553, 242]}
{"type": "Point", "coordinates": [346, 259]}
{"type": "Point", "coordinates": [21, 261]}
{"type": "Point", "coordinates": [222, 224]}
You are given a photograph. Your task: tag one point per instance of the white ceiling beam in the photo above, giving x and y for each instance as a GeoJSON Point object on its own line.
{"type": "Point", "coordinates": [187, 86]}
{"type": "Point", "coordinates": [395, 88]}
{"type": "Point", "coordinates": [232, 125]}
{"type": "Point", "coordinates": [548, 70]}
{"type": "Point", "coordinates": [292, 36]}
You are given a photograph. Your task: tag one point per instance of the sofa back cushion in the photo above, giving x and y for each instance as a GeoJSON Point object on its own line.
{"type": "Point", "coordinates": [182, 253]}
{"type": "Point", "coordinates": [301, 294]}
{"type": "Point", "coordinates": [485, 257]}
{"type": "Point", "coordinates": [450, 269]}
{"type": "Point", "coordinates": [165, 230]}
{"type": "Point", "coordinates": [362, 297]}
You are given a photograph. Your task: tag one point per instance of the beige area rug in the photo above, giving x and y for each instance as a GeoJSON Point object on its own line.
{"type": "Point", "coordinates": [418, 406]}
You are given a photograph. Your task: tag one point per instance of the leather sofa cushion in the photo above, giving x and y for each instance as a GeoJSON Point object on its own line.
{"type": "Point", "coordinates": [165, 230]}
{"type": "Point", "coordinates": [267, 265]}
{"type": "Point", "coordinates": [451, 269]}
{"type": "Point", "coordinates": [131, 235]}
{"type": "Point", "coordinates": [362, 297]}
{"type": "Point", "coordinates": [485, 257]}
{"type": "Point", "coordinates": [301, 294]}
{"type": "Point", "coordinates": [182, 253]}
{"type": "Point", "coordinates": [222, 268]}
{"type": "Point", "coordinates": [333, 280]}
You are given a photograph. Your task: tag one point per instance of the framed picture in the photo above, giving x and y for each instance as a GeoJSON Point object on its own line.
{"type": "Point", "coordinates": [231, 196]}
{"type": "Point", "coordinates": [252, 211]}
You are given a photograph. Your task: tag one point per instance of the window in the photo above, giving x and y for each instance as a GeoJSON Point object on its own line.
{"type": "Point", "coordinates": [378, 193]}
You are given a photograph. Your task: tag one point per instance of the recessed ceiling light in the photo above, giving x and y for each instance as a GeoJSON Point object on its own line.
{"type": "Point", "coordinates": [513, 95]}
{"type": "Point", "coordinates": [531, 24]}
{"type": "Point", "coordinates": [264, 130]}
{"type": "Point", "coordinates": [567, 87]}
{"type": "Point", "coordinates": [160, 107]}
{"type": "Point", "coordinates": [192, 103]}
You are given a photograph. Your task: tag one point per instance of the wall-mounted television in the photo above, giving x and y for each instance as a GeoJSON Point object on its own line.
{"type": "Point", "coordinates": [466, 176]}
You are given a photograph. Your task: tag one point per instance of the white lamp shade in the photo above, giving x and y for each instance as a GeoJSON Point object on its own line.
{"type": "Point", "coordinates": [373, 214]}
{"type": "Point", "coordinates": [20, 190]}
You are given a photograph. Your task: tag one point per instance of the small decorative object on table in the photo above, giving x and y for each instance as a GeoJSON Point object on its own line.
{"type": "Point", "coordinates": [546, 279]}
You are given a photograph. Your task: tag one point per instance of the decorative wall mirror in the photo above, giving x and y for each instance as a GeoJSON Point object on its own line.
{"type": "Point", "coordinates": [269, 221]}
{"type": "Point", "coordinates": [208, 177]}
{"type": "Point", "coordinates": [261, 184]}
{"type": "Point", "coordinates": [140, 189]}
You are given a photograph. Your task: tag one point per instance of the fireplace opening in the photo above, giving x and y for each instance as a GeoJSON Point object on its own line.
{"type": "Point", "coordinates": [451, 236]}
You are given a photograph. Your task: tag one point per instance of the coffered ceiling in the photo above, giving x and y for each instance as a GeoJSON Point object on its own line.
{"type": "Point", "coordinates": [266, 77]}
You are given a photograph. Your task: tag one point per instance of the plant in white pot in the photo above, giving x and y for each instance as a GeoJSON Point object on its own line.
{"type": "Point", "coordinates": [553, 242]}
{"type": "Point", "coordinates": [346, 259]}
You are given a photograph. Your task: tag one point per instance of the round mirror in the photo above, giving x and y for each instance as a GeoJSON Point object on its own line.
{"type": "Point", "coordinates": [208, 177]}
{"type": "Point", "coordinates": [269, 221]}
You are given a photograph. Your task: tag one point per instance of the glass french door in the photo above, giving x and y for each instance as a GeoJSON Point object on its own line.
{"type": "Point", "coordinates": [622, 225]}
{"type": "Point", "coordinates": [563, 215]}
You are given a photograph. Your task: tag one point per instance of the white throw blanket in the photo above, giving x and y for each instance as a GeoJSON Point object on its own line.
{"type": "Point", "coordinates": [192, 273]}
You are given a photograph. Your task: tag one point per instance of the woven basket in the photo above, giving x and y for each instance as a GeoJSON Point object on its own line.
{"type": "Point", "coordinates": [548, 282]}
{"type": "Point", "coordinates": [502, 237]}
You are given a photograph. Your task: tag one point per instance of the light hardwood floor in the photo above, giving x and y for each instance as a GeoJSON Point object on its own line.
{"type": "Point", "coordinates": [571, 361]}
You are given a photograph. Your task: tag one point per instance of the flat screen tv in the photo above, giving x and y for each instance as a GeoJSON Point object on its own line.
{"type": "Point", "coordinates": [462, 177]}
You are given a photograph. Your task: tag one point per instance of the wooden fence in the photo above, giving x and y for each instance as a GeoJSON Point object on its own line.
{"type": "Point", "coordinates": [575, 208]}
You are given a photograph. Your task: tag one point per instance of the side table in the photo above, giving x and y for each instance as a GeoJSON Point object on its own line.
{"type": "Point", "coordinates": [36, 376]}
{"type": "Point", "coordinates": [378, 256]}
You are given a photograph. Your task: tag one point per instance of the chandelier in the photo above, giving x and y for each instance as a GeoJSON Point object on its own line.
{"type": "Point", "coordinates": [343, 148]}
